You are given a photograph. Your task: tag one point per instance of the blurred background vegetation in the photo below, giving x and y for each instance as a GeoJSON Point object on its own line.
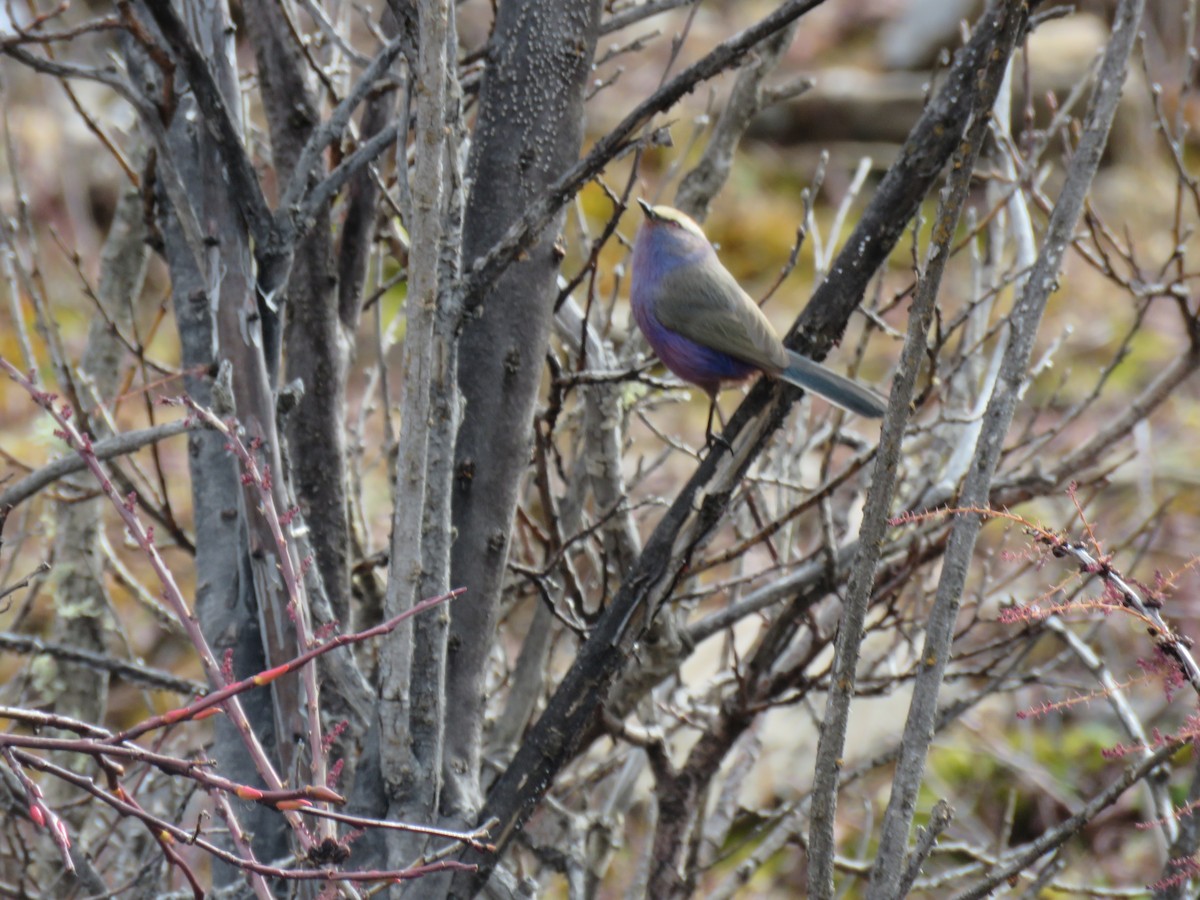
{"type": "Point", "coordinates": [872, 63]}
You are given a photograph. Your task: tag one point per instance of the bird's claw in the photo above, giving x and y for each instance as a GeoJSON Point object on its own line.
{"type": "Point", "coordinates": [712, 440]}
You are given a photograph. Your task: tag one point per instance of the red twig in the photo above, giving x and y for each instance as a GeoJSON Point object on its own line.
{"type": "Point", "coordinates": [196, 709]}
{"type": "Point", "coordinates": [172, 595]}
{"type": "Point", "coordinates": [41, 814]}
{"type": "Point", "coordinates": [171, 833]}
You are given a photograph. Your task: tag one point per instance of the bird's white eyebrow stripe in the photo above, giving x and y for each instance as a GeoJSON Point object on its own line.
{"type": "Point", "coordinates": [675, 217]}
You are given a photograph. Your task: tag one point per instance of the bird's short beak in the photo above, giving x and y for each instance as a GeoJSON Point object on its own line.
{"type": "Point", "coordinates": [647, 209]}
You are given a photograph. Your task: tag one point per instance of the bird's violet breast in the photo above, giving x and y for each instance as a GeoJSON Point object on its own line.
{"type": "Point", "coordinates": [659, 248]}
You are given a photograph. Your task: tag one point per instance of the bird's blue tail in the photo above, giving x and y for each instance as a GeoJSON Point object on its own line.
{"type": "Point", "coordinates": [837, 389]}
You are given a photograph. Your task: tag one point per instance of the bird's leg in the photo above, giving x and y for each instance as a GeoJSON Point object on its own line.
{"type": "Point", "coordinates": [710, 437]}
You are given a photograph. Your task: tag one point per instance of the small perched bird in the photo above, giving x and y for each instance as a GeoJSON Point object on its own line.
{"type": "Point", "coordinates": [706, 329]}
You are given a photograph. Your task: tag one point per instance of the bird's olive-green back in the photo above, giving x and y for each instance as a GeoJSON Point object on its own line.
{"type": "Point", "coordinates": [706, 304]}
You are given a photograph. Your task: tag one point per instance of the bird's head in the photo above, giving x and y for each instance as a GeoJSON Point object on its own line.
{"type": "Point", "coordinates": [672, 229]}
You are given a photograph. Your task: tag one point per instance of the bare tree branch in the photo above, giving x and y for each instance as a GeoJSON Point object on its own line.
{"type": "Point", "coordinates": [118, 445]}
{"type": "Point", "coordinates": [1024, 320]}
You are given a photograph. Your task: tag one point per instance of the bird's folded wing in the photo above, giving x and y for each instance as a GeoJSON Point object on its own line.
{"type": "Point", "coordinates": [708, 306]}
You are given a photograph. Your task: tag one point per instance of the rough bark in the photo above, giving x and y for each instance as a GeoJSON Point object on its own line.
{"type": "Point", "coordinates": [528, 133]}
{"type": "Point", "coordinates": [317, 346]}
{"type": "Point", "coordinates": [225, 601]}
